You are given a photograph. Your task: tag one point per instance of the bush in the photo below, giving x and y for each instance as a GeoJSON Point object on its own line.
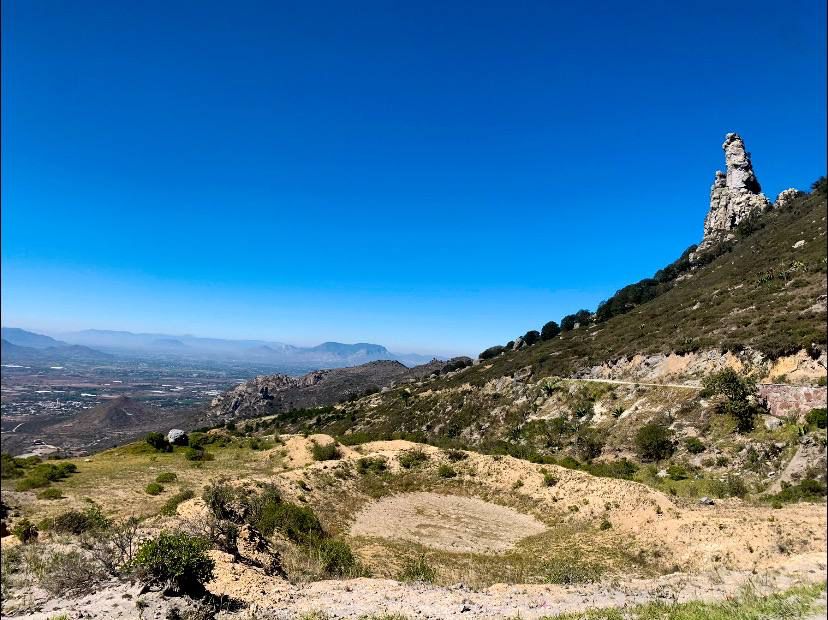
{"type": "Point", "coordinates": [417, 569]}
{"type": "Point", "coordinates": [549, 480]}
{"type": "Point", "coordinates": [809, 490]}
{"type": "Point", "coordinates": [50, 493]}
{"type": "Point", "coordinates": [531, 337]}
{"type": "Point", "coordinates": [605, 525]}
{"type": "Point", "coordinates": [677, 472]}
{"type": "Point", "coordinates": [456, 455]}
{"type": "Point", "coordinates": [197, 454]}
{"type": "Point", "coordinates": [159, 442]}
{"type": "Point", "coordinates": [550, 330]}
{"type": "Point", "coordinates": [732, 486]}
{"type": "Point", "coordinates": [581, 317]}
{"type": "Point", "coordinates": [571, 571]}
{"type": "Point", "coordinates": [10, 467]}
{"type": "Point", "coordinates": [375, 465]}
{"type": "Point", "coordinates": [170, 506]}
{"type": "Point", "coordinates": [298, 523]}
{"type": "Point", "coordinates": [166, 477]}
{"type": "Point", "coordinates": [739, 393]}
{"type": "Point", "coordinates": [589, 444]}
{"type": "Point", "coordinates": [694, 445]}
{"type": "Point", "coordinates": [69, 571]}
{"type": "Point", "coordinates": [336, 557]}
{"type": "Point", "coordinates": [326, 452]}
{"type": "Point", "coordinates": [76, 522]}
{"type": "Point", "coordinates": [153, 488]}
{"type": "Point", "coordinates": [654, 442]}
{"type": "Point", "coordinates": [492, 352]}
{"type": "Point", "coordinates": [25, 530]}
{"type": "Point", "coordinates": [175, 561]}
{"type": "Point", "coordinates": [818, 417]}
{"type": "Point", "coordinates": [412, 458]}
{"type": "Point", "coordinates": [446, 471]}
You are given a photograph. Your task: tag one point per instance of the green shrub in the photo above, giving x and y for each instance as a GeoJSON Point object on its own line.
{"type": "Point", "coordinates": [166, 477]}
{"type": "Point", "coordinates": [654, 442]}
{"type": "Point", "coordinates": [550, 330]}
{"type": "Point", "coordinates": [677, 472]}
{"type": "Point", "coordinates": [818, 417]}
{"type": "Point", "coordinates": [325, 452]}
{"type": "Point", "coordinates": [739, 393]}
{"type": "Point", "coordinates": [808, 490]}
{"type": "Point", "coordinates": [298, 523]}
{"type": "Point", "coordinates": [175, 560]}
{"type": "Point", "coordinates": [412, 458]}
{"type": "Point", "coordinates": [374, 465]}
{"type": "Point", "coordinates": [336, 556]}
{"type": "Point", "coordinates": [169, 507]}
{"type": "Point", "coordinates": [492, 352]}
{"type": "Point", "coordinates": [50, 493]}
{"type": "Point", "coordinates": [446, 471]}
{"type": "Point", "coordinates": [456, 455]}
{"type": "Point", "coordinates": [159, 442]}
{"type": "Point", "coordinates": [76, 522]}
{"type": "Point", "coordinates": [197, 455]}
{"type": "Point", "coordinates": [549, 480]}
{"type": "Point", "coordinates": [605, 525]}
{"type": "Point", "coordinates": [531, 337]}
{"type": "Point", "coordinates": [694, 445]}
{"type": "Point", "coordinates": [153, 488]}
{"type": "Point", "coordinates": [589, 444]}
{"type": "Point", "coordinates": [732, 486]}
{"type": "Point", "coordinates": [32, 482]}
{"type": "Point", "coordinates": [571, 571]}
{"type": "Point", "coordinates": [417, 569]}
{"type": "Point", "coordinates": [10, 467]}
{"type": "Point", "coordinates": [25, 530]}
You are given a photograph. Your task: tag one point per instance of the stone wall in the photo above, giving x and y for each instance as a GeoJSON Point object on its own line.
{"type": "Point", "coordinates": [785, 401]}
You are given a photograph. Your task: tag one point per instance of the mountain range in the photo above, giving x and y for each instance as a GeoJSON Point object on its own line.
{"type": "Point", "coordinates": [102, 345]}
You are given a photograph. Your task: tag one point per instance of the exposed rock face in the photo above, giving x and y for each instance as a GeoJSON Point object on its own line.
{"type": "Point", "coordinates": [785, 196]}
{"type": "Point", "coordinates": [735, 194]}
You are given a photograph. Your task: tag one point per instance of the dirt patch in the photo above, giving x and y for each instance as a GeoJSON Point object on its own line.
{"type": "Point", "coordinates": [446, 522]}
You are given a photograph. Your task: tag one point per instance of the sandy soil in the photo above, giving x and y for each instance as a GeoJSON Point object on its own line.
{"type": "Point", "coordinates": [459, 524]}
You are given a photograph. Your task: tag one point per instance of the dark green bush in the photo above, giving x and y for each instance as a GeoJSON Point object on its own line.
{"type": "Point", "coordinates": [9, 467]}
{"type": "Point", "coordinates": [417, 569]}
{"type": "Point", "coordinates": [25, 530]}
{"type": "Point", "coordinates": [550, 330]}
{"type": "Point", "coordinates": [166, 477]}
{"type": "Point", "coordinates": [654, 442]}
{"type": "Point", "coordinates": [298, 523]}
{"type": "Point", "coordinates": [677, 472]}
{"type": "Point", "coordinates": [159, 442]}
{"type": "Point", "coordinates": [50, 493]}
{"type": "Point", "coordinates": [374, 465]}
{"type": "Point", "coordinates": [492, 352]}
{"type": "Point", "coordinates": [197, 454]}
{"type": "Point", "coordinates": [336, 557]}
{"type": "Point", "coordinates": [153, 488]}
{"type": "Point", "coordinates": [175, 560]}
{"type": "Point", "coordinates": [808, 490]}
{"type": "Point", "coordinates": [456, 455]}
{"type": "Point", "coordinates": [694, 445]}
{"type": "Point", "coordinates": [326, 452]}
{"type": "Point", "coordinates": [818, 417]}
{"type": "Point", "coordinates": [412, 458]}
{"type": "Point", "coordinates": [739, 393]}
{"type": "Point", "coordinates": [582, 317]}
{"type": "Point", "coordinates": [549, 480]}
{"type": "Point", "coordinates": [76, 522]}
{"type": "Point", "coordinates": [531, 337]}
{"type": "Point", "coordinates": [446, 471]}
{"type": "Point", "coordinates": [589, 444]}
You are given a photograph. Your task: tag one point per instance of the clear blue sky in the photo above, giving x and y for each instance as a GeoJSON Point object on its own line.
{"type": "Point", "coordinates": [432, 176]}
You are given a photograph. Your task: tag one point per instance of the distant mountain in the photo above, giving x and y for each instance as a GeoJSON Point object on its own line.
{"type": "Point", "coordinates": [43, 349]}
{"type": "Point", "coordinates": [325, 355]}
{"type": "Point", "coordinates": [22, 338]}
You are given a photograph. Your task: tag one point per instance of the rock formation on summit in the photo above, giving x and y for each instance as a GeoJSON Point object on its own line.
{"type": "Point", "coordinates": [735, 194]}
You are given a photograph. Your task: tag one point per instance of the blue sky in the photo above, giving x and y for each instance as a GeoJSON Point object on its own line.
{"type": "Point", "coordinates": [432, 176]}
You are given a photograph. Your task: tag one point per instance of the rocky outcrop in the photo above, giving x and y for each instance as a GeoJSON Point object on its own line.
{"type": "Point", "coordinates": [792, 401]}
{"type": "Point", "coordinates": [735, 194]}
{"type": "Point", "coordinates": [785, 197]}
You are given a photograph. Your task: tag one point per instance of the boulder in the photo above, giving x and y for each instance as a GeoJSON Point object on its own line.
{"type": "Point", "coordinates": [177, 437]}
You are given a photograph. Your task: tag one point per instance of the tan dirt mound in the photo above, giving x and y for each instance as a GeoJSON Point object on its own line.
{"type": "Point", "coordinates": [446, 522]}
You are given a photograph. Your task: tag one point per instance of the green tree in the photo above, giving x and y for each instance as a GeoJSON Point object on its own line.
{"type": "Point", "coordinates": [550, 330]}
{"type": "Point", "coordinates": [654, 442]}
{"type": "Point", "coordinates": [739, 393]}
{"type": "Point", "coordinates": [531, 337]}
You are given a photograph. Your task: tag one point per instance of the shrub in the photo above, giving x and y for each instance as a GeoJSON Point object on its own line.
{"type": "Point", "coordinates": [153, 488]}
{"type": "Point", "coordinates": [159, 442]}
{"type": "Point", "coordinates": [197, 455]}
{"type": "Point", "coordinates": [531, 337]}
{"type": "Point", "coordinates": [571, 571]}
{"type": "Point", "coordinates": [739, 393]}
{"type": "Point", "coordinates": [732, 486]}
{"type": "Point", "coordinates": [166, 477]}
{"type": "Point", "coordinates": [818, 417]}
{"type": "Point", "coordinates": [25, 530]}
{"type": "Point", "coordinates": [549, 480]}
{"type": "Point", "coordinates": [809, 490]}
{"type": "Point", "coordinates": [31, 482]}
{"type": "Point", "coordinates": [446, 471]}
{"type": "Point", "coordinates": [654, 442]}
{"type": "Point", "coordinates": [76, 522]}
{"type": "Point", "coordinates": [10, 467]}
{"type": "Point", "coordinates": [335, 556]}
{"type": "Point", "coordinates": [456, 455]}
{"type": "Point", "coordinates": [298, 523]}
{"type": "Point", "coordinates": [570, 320]}
{"type": "Point", "coordinates": [50, 493]}
{"type": "Point", "coordinates": [550, 330]}
{"type": "Point", "coordinates": [694, 445]}
{"type": "Point", "coordinates": [677, 472]}
{"type": "Point", "coordinates": [170, 506]}
{"type": "Point", "coordinates": [492, 352]}
{"type": "Point", "coordinates": [326, 452]}
{"type": "Point", "coordinates": [373, 465]}
{"type": "Point", "coordinates": [417, 569]}
{"type": "Point", "coordinates": [175, 561]}
{"type": "Point", "coordinates": [69, 572]}
{"type": "Point", "coordinates": [412, 458]}
{"type": "Point", "coordinates": [589, 444]}
{"type": "Point", "coordinates": [605, 525]}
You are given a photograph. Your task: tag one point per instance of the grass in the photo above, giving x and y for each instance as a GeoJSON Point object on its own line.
{"type": "Point", "coordinates": [797, 602]}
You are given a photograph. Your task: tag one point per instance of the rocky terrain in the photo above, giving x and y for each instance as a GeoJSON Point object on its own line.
{"type": "Point", "coordinates": [668, 448]}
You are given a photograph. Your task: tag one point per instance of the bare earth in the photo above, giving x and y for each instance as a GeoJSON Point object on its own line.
{"type": "Point", "coordinates": [448, 522]}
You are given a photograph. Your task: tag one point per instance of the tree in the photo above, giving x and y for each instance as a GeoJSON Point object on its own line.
{"type": "Point", "coordinates": [531, 337]}
{"type": "Point", "coordinates": [570, 320]}
{"type": "Point", "coordinates": [588, 444]}
{"type": "Point", "coordinates": [739, 393]}
{"type": "Point", "coordinates": [491, 352]}
{"type": "Point", "coordinates": [654, 442]}
{"type": "Point", "coordinates": [550, 330]}
{"type": "Point", "coordinates": [175, 560]}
